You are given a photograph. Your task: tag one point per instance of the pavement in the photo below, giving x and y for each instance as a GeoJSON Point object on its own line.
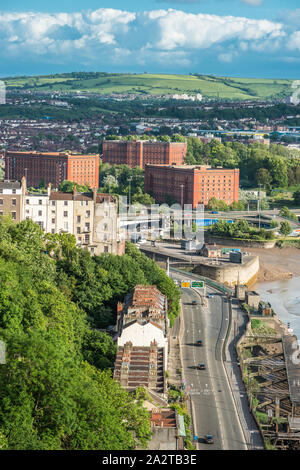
{"type": "Point", "coordinates": [217, 399]}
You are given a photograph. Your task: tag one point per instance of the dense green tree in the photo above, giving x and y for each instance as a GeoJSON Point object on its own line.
{"type": "Point", "coordinates": [54, 394]}
{"type": "Point", "coordinates": [285, 228]}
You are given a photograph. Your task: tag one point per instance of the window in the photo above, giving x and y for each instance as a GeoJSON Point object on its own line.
{"type": "Point", "coordinates": [78, 219]}
{"type": "Point", "coordinates": [1, 191]}
{"type": "Point", "coordinates": [105, 226]}
{"type": "Point", "coordinates": [78, 230]}
{"type": "Point", "coordinates": [14, 191]}
{"type": "Point", "coordinates": [65, 203]}
{"type": "Point", "coordinates": [88, 214]}
{"type": "Point", "coordinates": [53, 203]}
{"type": "Point", "coordinates": [40, 202]}
{"type": "Point", "coordinates": [40, 213]}
{"type": "Point", "coordinates": [87, 239]}
{"type": "Point", "coordinates": [106, 249]}
{"type": "Point", "coordinates": [1, 202]}
{"type": "Point", "coordinates": [1, 213]}
{"type": "Point", "coordinates": [14, 215]}
{"type": "Point", "coordinates": [53, 231]}
{"type": "Point", "coordinates": [65, 225]}
{"type": "Point", "coordinates": [14, 202]}
{"type": "Point", "coordinates": [53, 221]}
{"type": "Point", "coordinates": [27, 201]}
{"type": "Point", "coordinates": [65, 213]}
{"type": "Point", "coordinates": [87, 227]}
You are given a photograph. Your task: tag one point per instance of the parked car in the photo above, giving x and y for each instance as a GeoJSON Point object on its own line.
{"type": "Point", "coordinates": [209, 439]}
{"type": "Point", "coordinates": [215, 212]}
{"type": "Point", "coordinates": [201, 366]}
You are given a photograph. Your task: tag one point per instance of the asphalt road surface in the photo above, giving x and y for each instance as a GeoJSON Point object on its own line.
{"type": "Point", "coordinates": [212, 403]}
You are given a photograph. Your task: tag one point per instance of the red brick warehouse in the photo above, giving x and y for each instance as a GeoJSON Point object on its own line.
{"type": "Point", "coordinates": [191, 184]}
{"type": "Point", "coordinates": [52, 167]}
{"type": "Point", "coordinates": [140, 152]}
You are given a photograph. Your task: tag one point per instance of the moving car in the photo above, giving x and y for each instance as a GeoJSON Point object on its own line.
{"type": "Point", "coordinates": [199, 342]}
{"type": "Point", "coordinates": [194, 302]}
{"type": "Point", "coordinates": [201, 366]}
{"type": "Point", "coordinates": [209, 439]}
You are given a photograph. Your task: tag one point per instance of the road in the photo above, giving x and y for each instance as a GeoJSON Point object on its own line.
{"type": "Point", "coordinates": [211, 397]}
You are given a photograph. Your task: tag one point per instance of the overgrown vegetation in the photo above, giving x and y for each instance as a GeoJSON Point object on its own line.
{"type": "Point", "coordinates": [56, 388]}
{"type": "Point", "coordinates": [240, 230]}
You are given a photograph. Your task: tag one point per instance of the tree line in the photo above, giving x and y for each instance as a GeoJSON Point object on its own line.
{"type": "Point", "coordinates": [56, 388]}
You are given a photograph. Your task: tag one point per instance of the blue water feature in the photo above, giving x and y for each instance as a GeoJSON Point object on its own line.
{"type": "Point", "coordinates": [208, 222]}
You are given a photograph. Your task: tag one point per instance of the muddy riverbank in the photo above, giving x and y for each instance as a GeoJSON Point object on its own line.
{"type": "Point", "coordinates": [277, 263]}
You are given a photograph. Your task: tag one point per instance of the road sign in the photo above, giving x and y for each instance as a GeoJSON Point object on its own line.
{"type": "Point", "coordinates": [185, 284]}
{"type": "Point", "coordinates": [198, 284]}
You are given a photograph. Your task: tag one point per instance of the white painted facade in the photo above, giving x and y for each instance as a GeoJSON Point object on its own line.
{"type": "Point", "coordinates": [60, 216]}
{"type": "Point", "coordinates": [143, 335]}
{"type": "Point", "coordinates": [36, 207]}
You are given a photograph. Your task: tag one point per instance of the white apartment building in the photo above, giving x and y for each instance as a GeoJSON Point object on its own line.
{"type": "Point", "coordinates": [36, 209]}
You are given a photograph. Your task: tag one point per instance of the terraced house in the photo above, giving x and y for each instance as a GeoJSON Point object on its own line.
{"type": "Point", "coordinates": [91, 217]}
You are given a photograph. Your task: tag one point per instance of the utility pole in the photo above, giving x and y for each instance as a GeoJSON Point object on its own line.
{"type": "Point", "coordinates": [182, 186]}
{"type": "Point", "coordinates": [129, 198]}
{"type": "Point", "coordinates": [259, 186]}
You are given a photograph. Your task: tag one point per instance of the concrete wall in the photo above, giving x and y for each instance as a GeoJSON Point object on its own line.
{"type": "Point", "coordinates": [232, 274]}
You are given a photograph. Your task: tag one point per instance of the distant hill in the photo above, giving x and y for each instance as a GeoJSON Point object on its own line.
{"type": "Point", "coordinates": [156, 84]}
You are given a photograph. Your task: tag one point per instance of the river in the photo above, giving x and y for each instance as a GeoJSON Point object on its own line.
{"type": "Point", "coordinates": [284, 296]}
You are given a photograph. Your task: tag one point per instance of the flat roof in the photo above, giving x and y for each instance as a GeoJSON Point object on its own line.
{"type": "Point", "coordinates": [191, 167]}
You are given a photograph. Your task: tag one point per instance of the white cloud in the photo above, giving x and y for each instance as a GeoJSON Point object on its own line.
{"type": "Point", "coordinates": [294, 41]}
{"type": "Point", "coordinates": [227, 57]}
{"type": "Point", "coordinates": [252, 2]}
{"type": "Point", "coordinates": [110, 36]}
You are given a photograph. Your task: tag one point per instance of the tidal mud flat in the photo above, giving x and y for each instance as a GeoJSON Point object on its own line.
{"type": "Point", "coordinates": [277, 263]}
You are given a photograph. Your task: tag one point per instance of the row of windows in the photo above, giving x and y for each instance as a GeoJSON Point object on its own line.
{"type": "Point", "coordinates": [13, 214]}
{"type": "Point", "coordinates": [13, 202]}
{"type": "Point", "coordinates": [14, 191]}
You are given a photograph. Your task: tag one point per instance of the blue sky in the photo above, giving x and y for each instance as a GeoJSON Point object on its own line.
{"type": "Point", "coordinates": [251, 38]}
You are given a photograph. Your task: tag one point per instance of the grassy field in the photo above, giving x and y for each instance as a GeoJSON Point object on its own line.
{"type": "Point", "coordinates": [157, 84]}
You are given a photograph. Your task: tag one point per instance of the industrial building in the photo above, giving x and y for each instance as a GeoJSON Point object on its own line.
{"type": "Point", "coordinates": [52, 167]}
{"type": "Point", "coordinates": [191, 184]}
{"type": "Point", "coordinates": [141, 152]}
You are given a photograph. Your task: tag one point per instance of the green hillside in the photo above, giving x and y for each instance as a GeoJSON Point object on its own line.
{"type": "Point", "coordinates": [156, 84]}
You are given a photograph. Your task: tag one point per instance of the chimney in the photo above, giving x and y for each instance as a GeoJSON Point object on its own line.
{"type": "Point", "coordinates": [49, 189]}
{"type": "Point", "coordinates": [95, 194]}
{"type": "Point", "coordinates": [74, 192]}
{"type": "Point", "coordinates": [23, 184]}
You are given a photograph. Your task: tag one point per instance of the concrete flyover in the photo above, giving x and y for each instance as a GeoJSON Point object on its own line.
{"type": "Point", "coordinates": [213, 407]}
